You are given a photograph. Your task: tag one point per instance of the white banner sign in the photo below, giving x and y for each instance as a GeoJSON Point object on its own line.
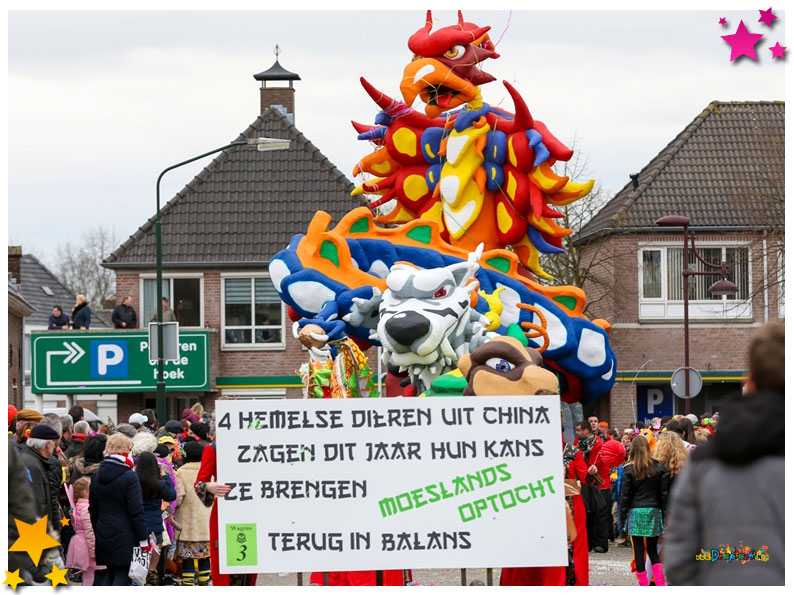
{"type": "Point", "coordinates": [368, 484]}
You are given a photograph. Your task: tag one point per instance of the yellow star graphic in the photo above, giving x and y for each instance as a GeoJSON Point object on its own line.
{"type": "Point", "coordinates": [33, 539]}
{"type": "Point", "coordinates": [12, 579]}
{"type": "Point", "coordinates": [57, 576]}
{"type": "Point", "coordinates": [65, 521]}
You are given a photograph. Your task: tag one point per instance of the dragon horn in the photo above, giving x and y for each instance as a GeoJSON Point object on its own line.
{"type": "Point", "coordinates": [429, 21]}
{"type": "Point", "coordinates": [523, 119]}
{"type": "Point", "coordinates": [381, 99]}
{"type": "Point", "coordinates": [460, 19]}
{"type": "Point", "coordinates": [362, 127]}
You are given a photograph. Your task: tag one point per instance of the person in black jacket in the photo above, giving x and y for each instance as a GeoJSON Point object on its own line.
{"type": "Point", "coordinates": [58, 320]}
{"type": "Point", "coordinates": [733, 489]}
{"type": "Point", "coordinates": [37, 457]}
{"type": "Point", "coordinates": [81, 314]}
{"type": "Point", "coordinates": [156, 486]}
{"type": "Point", "coordinates": [124, 315]}
{"type": "Point", "coordinates": [643, 498]}
{"type": "Point", "coordinates": [116, 509]}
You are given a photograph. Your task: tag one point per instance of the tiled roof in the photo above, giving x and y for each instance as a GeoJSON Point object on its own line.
{"type": "Point", "coordinates": [245, 205]}
{"type": "Point", "coordinates": [725, 170]}
{"type": "Point", "coordinates": [36, 282]}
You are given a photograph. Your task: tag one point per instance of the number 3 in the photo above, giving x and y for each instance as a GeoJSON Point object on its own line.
{"type": "Point", "coordinates": [242, 553]}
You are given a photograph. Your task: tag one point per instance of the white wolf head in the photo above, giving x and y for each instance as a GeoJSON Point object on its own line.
{"type": "Point", "coordinates": [425, 317]}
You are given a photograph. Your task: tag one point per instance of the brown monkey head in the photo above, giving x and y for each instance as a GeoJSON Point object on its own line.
{"type": "Point", "coordinates": [503, 366]}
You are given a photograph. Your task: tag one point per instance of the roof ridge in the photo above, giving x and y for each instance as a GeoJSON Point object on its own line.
{"type": "Point", "coordinates": [206, 173]}
{"type": "Point", "coordinates": [654, 167]}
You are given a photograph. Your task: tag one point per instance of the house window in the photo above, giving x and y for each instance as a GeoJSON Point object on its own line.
{"type": "Point", "coordinates": [252, 312]}
{"type": "Point", "coordinates": [184, 298]}
{"type": "Point", "coordinates": [662, 282]}
{"type": "Point", "coordinates": [652, 273]}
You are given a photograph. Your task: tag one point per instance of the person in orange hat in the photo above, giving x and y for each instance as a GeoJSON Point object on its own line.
{"type": "Point", "coordinates": [26, 419]}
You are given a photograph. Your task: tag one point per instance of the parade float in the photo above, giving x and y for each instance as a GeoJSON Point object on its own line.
{"type": "Point", "coordinates": [445, 256]}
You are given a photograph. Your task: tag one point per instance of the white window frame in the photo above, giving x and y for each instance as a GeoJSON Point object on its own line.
{"type": "Point", "coordinates": [143, 317]}
{"type": "Point", "coordinates": [249, 346]}
{"type": "Point", "coordinates": [662, 309]}
{"type": "Point", "coordinates": [781, 286]}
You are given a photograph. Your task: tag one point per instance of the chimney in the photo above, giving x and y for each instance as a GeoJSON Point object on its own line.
{"type": "Point", "coordinates": [277, 96]}
{"type": "Point", "coordinates": [15, 263]}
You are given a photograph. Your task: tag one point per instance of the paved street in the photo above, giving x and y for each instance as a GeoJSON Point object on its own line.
{"type": "Point", "coordinates": [611, 568]}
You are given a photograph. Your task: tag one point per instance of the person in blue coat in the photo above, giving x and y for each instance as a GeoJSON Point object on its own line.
{"type": "Point", "coordinates": [116, 510]}
{"type": "Point", "coordinates": [81, 314]}
{"type": "Point", "coordinates": [156, 486]}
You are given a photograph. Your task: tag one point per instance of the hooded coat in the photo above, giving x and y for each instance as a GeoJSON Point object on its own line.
{"type": "Point", "coordinates": [116, 509]}
{"type": "Point", "coordinates": [732, 492]}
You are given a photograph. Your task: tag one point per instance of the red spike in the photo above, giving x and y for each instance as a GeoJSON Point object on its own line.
{"type": "Point", "coordinates": [361, 128]}
{"type": "Point", "coordinates": [523, 119]}
{"type": "Point", "coordinates": [410, 117]}
{"type": "Point", "coordinates": [536, 200]}
{"type": "Point", "coordinates": [381, 99]}
{"type": "Point", "coordinates": [429, 21]}
{"type": "Point", "coordinates": [551, 213]}
{"type": "Point", "coordinates": [460, 19]}
{"type": "Point", "coordinates": [381, 185]}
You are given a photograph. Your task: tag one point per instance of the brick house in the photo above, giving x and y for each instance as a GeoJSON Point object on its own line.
{"type": "Point", "coordinates": [725, 171]}
{"type": "Point", "coordinates": [18, 308]}
{"type": "Point", "coordinates": [219, 233]}
{"type": "Point", "coordinates": [42, 289]}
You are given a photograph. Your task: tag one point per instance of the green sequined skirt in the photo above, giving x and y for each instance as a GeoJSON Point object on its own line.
{"type": "Point", "coordinates": [644, 522]}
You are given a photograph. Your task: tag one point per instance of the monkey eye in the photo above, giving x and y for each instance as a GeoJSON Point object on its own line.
{"type": "Point", "coordinates": [499, 364]}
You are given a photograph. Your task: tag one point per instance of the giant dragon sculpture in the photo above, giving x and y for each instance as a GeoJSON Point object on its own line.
{"type": "Point", "coordinates": [482, 173]}
{"type": "Point", "coordinates": [445, 270]}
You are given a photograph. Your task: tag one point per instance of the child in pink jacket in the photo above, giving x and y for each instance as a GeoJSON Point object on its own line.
{"type": "Point", "coordinates": [82, 553]}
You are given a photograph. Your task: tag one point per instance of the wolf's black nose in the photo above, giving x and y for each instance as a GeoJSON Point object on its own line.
{"type": "Point", "coordinates": [407, 327]}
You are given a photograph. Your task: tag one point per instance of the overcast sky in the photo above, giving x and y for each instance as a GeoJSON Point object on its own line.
{"type": "Point", "coordinates": [100, 102]}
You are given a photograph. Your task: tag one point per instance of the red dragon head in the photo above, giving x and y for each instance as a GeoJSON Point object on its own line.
{"type": "Point", "coordinates": [445, 70]}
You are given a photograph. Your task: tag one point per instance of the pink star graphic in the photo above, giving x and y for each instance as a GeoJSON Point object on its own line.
{"type": "Point", "coordinates": [742, 42]}
{"type": "Point", "coordinates": [767, 17]}
{"type": "Point", "coordinates": [777, 51]}
{"type": "Point", "coordinates": [723, 22]}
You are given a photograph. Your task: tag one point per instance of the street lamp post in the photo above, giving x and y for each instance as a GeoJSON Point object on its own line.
{"type": "Point", "coordinates": [262, 144]}
{"type": "Point", "coordinates": [721, 287]}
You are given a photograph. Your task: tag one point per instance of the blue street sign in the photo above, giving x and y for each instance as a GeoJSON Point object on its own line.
{"type": "Point", "coordinates": [654, 400]}
{"type": "Point", "coordinates": [109, 359]}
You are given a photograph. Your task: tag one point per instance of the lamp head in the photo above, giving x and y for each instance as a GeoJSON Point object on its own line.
{"type": "Point", "coordinates": [673, 221]}
{"type": "Point", "coordinates": [723, 287]}
{"type": "Point", "coordinates": [269, 144]}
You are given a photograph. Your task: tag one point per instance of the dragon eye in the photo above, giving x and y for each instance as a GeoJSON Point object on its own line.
{"type": "Point", "coordinates": [455, 52]}
{"type": "Point", "coordinates": [499, 364]}
{"type": "Point", "coordinates": [440, 293]}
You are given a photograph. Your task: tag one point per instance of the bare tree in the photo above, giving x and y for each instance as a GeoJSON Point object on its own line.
{"type": "Point", "coordinates": [588, 265]}
{"type": "Point", "coordinates": [79, 268]}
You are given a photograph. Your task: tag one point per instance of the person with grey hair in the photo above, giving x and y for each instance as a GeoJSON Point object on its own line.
{"type": "Point", "coordinates": [37, 456]}
{"type": "Point", "coordinates": [127, 429]}
{"type": "Point", "coordinates": [82, 427]}
{"type": "Point", "coordinates": [142, 442]}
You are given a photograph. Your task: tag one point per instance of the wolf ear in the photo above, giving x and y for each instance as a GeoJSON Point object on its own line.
{"type": "Point", "coordinates": [464, 271]}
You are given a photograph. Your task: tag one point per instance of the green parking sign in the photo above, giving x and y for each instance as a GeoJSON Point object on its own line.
{"type": "Point", "coordinates": [108, 361]}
